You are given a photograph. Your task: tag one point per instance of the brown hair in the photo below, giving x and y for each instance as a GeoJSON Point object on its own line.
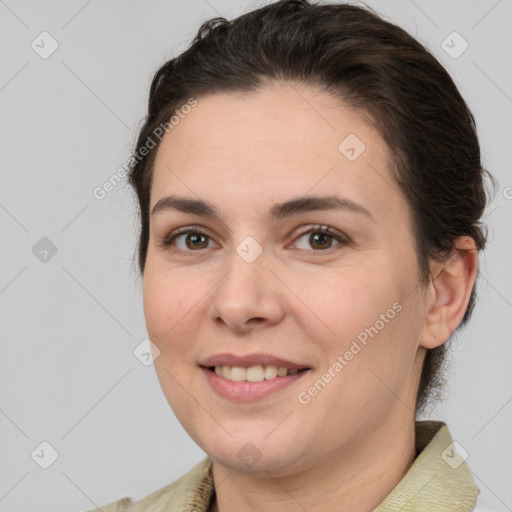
{"type": "Point", "coordinates": [370, 64]}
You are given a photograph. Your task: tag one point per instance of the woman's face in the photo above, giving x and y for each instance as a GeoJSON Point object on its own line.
{"type": "Point", "coordinates": [264, 287]}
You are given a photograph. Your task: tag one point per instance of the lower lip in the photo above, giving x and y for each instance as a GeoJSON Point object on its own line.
{"type": "Point", "coordinates": [249, 391]}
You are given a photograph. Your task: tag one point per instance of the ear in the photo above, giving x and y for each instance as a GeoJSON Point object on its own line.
{"type": "Point", "coordinates": [449, 292]}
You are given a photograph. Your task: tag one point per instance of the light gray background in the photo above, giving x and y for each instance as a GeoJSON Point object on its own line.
{"type": "Point", "coordinates": [69, 326]}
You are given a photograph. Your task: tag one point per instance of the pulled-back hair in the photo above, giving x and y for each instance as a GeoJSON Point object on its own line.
{"type": "Point", "coordinates": [369, 64]}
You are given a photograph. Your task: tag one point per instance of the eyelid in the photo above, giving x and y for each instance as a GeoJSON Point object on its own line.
{"type": "Point", "coordinates": [342, 239]}
{"type": "Point", "coordinates": [168, 239]}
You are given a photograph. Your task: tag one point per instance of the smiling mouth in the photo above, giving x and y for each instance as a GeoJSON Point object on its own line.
{"type": "Point", "coordinates": [256, 373]}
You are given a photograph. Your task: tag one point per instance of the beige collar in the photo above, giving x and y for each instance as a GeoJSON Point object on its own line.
{"type": "Point", "coordinates": [439, 479]}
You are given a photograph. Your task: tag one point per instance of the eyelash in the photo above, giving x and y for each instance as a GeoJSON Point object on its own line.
{"type": "Point", "coordinates": [338, 236]}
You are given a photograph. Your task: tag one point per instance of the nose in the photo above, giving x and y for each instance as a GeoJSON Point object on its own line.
{"type": "Point", "coordinates": [248, 295]}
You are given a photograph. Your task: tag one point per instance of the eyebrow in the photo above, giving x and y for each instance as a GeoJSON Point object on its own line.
{"type": "Point", "coordinates": [278, 211]}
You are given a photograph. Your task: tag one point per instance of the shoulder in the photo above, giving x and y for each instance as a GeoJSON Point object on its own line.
{"type": "Point", "coordinates": [196, 486]}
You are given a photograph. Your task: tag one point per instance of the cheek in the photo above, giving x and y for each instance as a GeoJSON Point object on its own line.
{"type": "Point", "coordinates": [166, 306]}
{"type": "Point", "coordinates": [157, 307]}
{"type": "Point", "coordinates": [364, 374]}
{"type": "Point", "coordinates": [372, 325]}
{"type": "Point", "coordinates": [381, 373]}
{"type": "Point", "coordinates": [350, 299]}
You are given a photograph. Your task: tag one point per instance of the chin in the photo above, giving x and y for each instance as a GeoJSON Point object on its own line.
{"type": "Point", "coordinates": [253, 451]}
{"type": "Point", "coordinates": [250, 460]}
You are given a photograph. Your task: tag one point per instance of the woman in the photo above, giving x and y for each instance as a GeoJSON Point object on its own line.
{"type": "Point", "coordinates": [311, 189]}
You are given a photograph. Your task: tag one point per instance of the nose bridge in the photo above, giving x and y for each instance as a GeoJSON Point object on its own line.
{"type": "Point", "coordinates": [244, 280]}
{"type": "Point", "coordinates": [246, 291]}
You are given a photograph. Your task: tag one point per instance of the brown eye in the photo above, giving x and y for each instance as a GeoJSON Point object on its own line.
{"type": "Point", "coordinates": [193, 239]}
{"type": "Point", "coordinates": [321, 238]}
{"type": "Point", "coordinates": [196, 240]}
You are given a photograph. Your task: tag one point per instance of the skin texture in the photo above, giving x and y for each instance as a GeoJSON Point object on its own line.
{"type": "Point", "coordinates": [352, 443]}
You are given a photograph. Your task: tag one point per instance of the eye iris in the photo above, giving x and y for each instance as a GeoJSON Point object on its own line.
{"type": "Point", "coordinates": [193, 238]}
{"type": "Point", "coordinates": [317, 239]}
{"type": "Point", "coordinates": [322, 236]}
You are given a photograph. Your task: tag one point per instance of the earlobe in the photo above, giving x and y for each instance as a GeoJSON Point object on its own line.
{"type": "Point", "coordinates": [449, 292]}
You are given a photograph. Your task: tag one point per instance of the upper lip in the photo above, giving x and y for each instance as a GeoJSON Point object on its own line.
{"type": "Point", "coordinates": [228, 359]}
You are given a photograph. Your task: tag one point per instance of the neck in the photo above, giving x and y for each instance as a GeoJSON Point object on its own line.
{"type": "Point", "coordinates": [358, 482]}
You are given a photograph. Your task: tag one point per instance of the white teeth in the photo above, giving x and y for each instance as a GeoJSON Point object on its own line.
{"type": "Point", "coordinates": [238, 374]}
{"type": "Point", "coordinates": [281, 372]}
{"type": "Point", "coordinates": [270, 372]}
{"type": "Point", "coordinates": [255, 373]}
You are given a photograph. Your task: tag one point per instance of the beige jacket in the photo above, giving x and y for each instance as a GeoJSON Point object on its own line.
{"type": "Point", "coordinates": [438, 481]}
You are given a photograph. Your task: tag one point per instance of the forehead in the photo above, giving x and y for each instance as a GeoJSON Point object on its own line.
{"type": "Point", "coordinates": [267, 145]}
